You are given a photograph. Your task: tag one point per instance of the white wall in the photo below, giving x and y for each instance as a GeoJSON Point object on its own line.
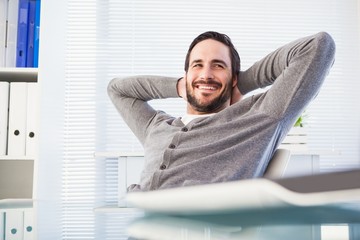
{"type": "Point", "coordinates": [51, 79]}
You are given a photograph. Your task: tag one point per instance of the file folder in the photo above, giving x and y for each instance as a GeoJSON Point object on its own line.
{"type": "Point", "coordinates": [31, 120]}
{"type": "Point", "coordinates": [12, 17]}
{"type": "Point", "coordinates": [17, 118]}
{"type": "Point", "coordinates": [2, 225]}
{"type": "Point", "coordinates": [3, 17]}
{"type": "Point", "coordinates": [31, 34]}
{"type": "Point", "coordinates": [37, 33]}
{"type": "Point", "coordinates": [14, 224]}
{"type": "Point", "coordinates": [22, 34]}
{"type": "Point", "coordinates": [4, 107]}
{"type": "Point", "coordinates": [28, 228]}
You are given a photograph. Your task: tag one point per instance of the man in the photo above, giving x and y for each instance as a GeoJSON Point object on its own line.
{"type": "Point", "coordinates": [222, 137]}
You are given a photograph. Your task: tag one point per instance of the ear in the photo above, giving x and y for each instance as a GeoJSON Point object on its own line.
{"type": "Point", "coordinates": [236, 95]}
{"type": "Point", "coordinates": [235, 80]}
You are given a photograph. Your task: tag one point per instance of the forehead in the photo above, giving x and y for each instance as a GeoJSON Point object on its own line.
{"type": "Point", "coordinates": [210, 49]}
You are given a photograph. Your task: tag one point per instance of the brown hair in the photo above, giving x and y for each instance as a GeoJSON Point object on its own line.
{"type": "Point", "coordinates": [223, 38]}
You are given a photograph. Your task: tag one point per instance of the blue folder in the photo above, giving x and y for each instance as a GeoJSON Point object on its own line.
{"type": "Point", "coordinates": [37, 33]}
{"type": "Point", "coordinates": [31, 34]}
{"type": "Point", "coordinates": [22, 33]}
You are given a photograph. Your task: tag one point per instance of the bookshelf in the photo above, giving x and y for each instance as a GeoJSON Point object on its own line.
{"type": "Point", "coordinates": [18, 74]}
{"type": "Point", "coordinates": [18, 157]}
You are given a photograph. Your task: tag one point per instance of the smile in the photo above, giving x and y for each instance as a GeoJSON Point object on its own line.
{"type": "Point", "coordinates": [205, 87]}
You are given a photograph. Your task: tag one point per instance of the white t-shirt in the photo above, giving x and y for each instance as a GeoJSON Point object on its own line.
{"type": "Point", "coordinates": [189, 117]}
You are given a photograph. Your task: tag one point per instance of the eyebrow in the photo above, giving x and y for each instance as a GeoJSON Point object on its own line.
{"type": "Point", "coordinates": [219, 61]}
{"type": "Point", "coordinates": [212, 61]}
{"type": "Point", "coordinates": [196, 61]}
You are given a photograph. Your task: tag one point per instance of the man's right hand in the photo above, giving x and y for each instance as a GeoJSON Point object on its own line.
{"type": "Point", "coordinates": [181, 87]}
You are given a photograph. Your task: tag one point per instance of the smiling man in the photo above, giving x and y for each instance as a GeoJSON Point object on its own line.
{"type": "Point", "coordinates": [209, 78]}
{"type": "Point", "coordinates": [222, 137]}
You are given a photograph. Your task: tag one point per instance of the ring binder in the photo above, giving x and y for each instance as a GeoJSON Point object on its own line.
{"type": "Point", "coordinates": [17, 118]}
{"type": "Point", "coordinates": [4, 106]}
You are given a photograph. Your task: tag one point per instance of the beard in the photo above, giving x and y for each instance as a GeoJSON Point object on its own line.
{"type": "Point", "coordinates": [208, 106]}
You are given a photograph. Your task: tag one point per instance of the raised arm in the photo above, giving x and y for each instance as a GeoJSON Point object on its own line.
{"type": "Point", "coordinates": [130, 96]}
{"type": "Point", "coordinates": [296, 72]}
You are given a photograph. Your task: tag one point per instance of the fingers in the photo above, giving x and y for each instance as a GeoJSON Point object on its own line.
{"type": "Point", "coordinates": [181, 87]}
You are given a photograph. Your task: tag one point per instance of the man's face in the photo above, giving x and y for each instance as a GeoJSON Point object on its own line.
{"type": "Point", "coordinates": [208, 81]}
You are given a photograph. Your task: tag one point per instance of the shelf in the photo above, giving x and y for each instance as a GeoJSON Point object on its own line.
{"type": "Point", "coordinates": [18, 74]}
{"type": "Point", "coordinates": [23, 203]}
{"type": "Point", "coordinates": [8, 157]}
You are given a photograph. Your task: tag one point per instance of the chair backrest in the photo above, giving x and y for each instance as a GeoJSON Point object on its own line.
{"type": "Point", "coordinates": [278, 163]}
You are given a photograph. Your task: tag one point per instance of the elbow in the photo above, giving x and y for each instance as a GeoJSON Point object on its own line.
{"type": "Point", "coordinates": [326, 40]}
{"type": "Point", "coordinates": [113, 86]}
{"type": "Point", "coordinates": [326, 45]}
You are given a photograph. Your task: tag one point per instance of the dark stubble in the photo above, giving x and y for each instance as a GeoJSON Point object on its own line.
{"type": "Point", "coordinates": [212, 106]}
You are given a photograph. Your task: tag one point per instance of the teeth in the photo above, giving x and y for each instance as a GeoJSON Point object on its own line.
{"type": "Point", "coordinates": [207, 87]}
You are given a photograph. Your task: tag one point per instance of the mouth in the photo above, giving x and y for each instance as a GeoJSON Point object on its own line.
{"type": "Point", "coordinates": [207, 86]}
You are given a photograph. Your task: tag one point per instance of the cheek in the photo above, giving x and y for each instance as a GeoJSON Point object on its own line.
{"type": "Point", "coordinates": [227, 80]}
{"type": "Point", "coordinates": [188, 86]}
{"type": "Point", "coordinates": [189, 78]}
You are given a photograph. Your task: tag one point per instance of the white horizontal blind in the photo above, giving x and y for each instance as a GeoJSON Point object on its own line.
{"type": "Point", "coordinates": [105, 39]}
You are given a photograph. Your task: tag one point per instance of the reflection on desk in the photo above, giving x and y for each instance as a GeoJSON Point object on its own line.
{"type": "Point", "coordinates": [295, 223]}
{"type": "Point", "coordinates": [289, 208]}
{"type": "Point", "coordinates": [180, 229]}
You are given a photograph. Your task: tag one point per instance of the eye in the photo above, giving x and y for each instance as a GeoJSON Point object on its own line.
{"type": "Point", "coordinates": [196, 65]}
{"type": "Point", "coordinates": [218, 66]}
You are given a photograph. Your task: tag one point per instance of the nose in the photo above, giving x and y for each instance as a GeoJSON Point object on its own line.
{"type": "Point", "coordinates": [206, 73]}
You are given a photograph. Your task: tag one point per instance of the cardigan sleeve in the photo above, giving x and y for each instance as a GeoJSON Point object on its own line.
{"type": "Point", "coordinates": [295, 72]}
{"type": "Point", "coordinates": [130, 96]}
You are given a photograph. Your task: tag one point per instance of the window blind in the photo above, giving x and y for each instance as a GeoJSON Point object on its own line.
{"type": "Point", "coordinates": [107, 39]}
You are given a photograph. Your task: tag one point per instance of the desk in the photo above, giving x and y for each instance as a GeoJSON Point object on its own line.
{"type": "Point", "coordinates": [276, 224]}
{"type": "Point", "coordinates": [251, 209]}
{"type": "Point", "coordinates": [170, 228]}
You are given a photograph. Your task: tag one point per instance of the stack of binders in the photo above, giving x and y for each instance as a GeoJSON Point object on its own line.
{"type": "Point", "coordinates": [18, 149]}
{"type": "Point", "coordinates": [17, 224]}
{"type": "Point", "coordinates": [18, 114]}
{"type": "Point", "coordinates": [19, 33]}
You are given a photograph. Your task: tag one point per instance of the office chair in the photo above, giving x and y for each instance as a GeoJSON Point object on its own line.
{"type": "Point", "coordinates": [278, 163]}
{"type": "Point", "coordinates": [275, 169]}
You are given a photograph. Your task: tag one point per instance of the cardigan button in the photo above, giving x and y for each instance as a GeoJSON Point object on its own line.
{"type": "Point", "coordinates": [163, 167]}
{"type": "Point", "coordinates": [185, 129]}
{"type": "Point", "coordinates": [172, 146]}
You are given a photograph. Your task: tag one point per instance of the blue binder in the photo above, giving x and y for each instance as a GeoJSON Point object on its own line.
{"type": "Point", "coordinates": [31, 34]}
{"type": "Point", "coordinates": [37, 33]}
{"type": "Point", "coordinates": [22, 34]}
